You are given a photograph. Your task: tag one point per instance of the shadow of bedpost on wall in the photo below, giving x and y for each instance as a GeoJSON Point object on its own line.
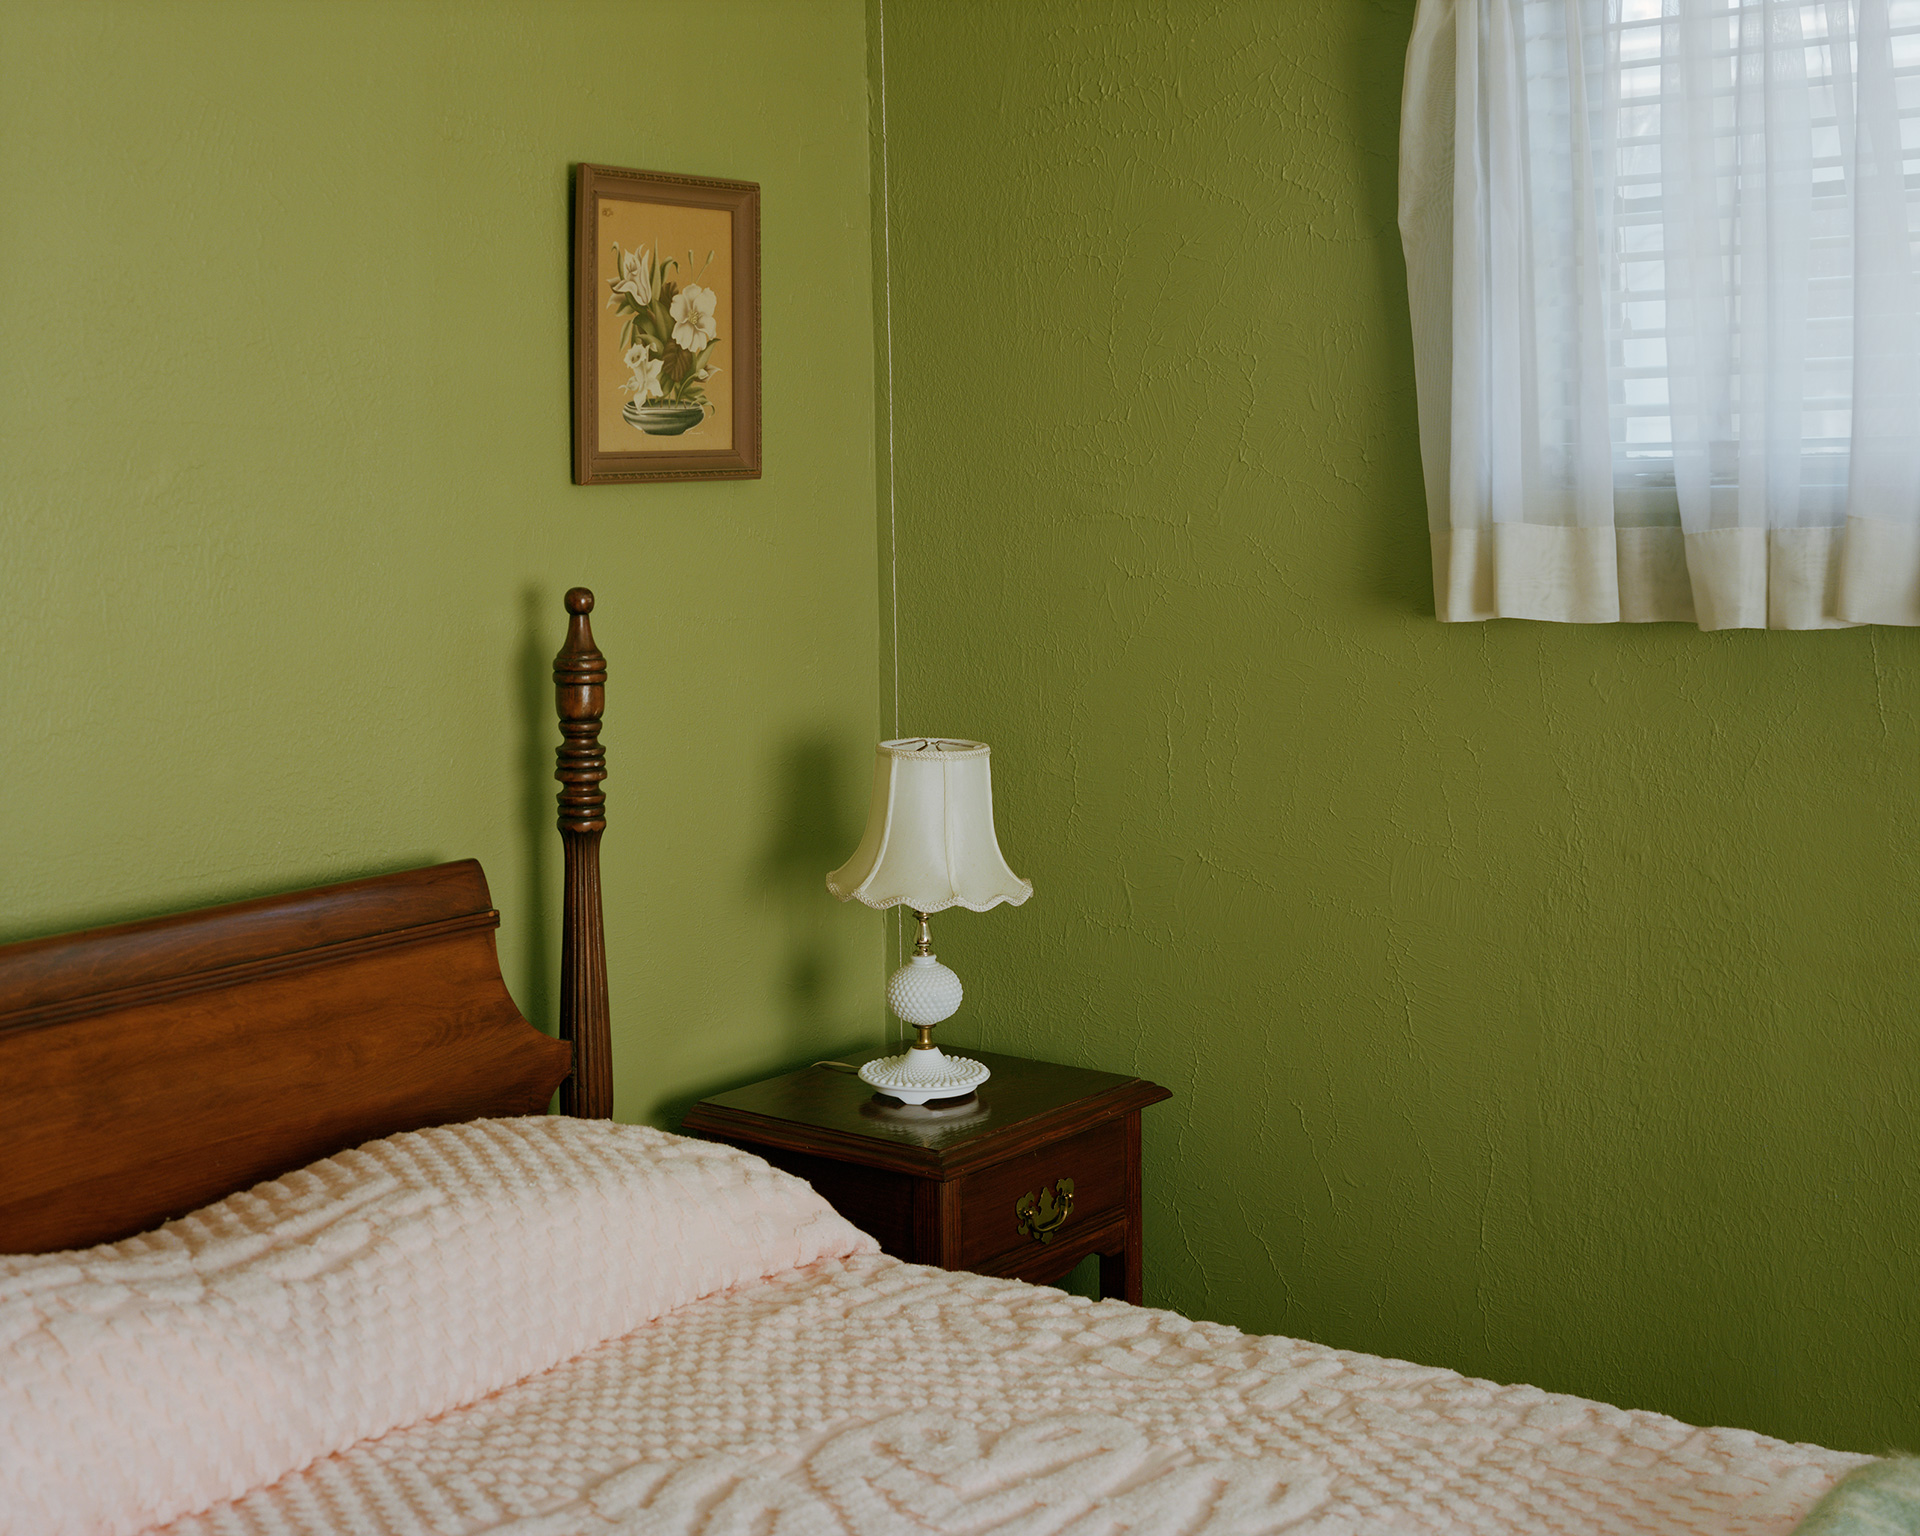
{"type": "Point", "coordinates": [532, 689]}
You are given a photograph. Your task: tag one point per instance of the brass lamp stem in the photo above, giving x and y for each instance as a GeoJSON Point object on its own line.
{"type": "Point", "coordinates": [923, 1033]}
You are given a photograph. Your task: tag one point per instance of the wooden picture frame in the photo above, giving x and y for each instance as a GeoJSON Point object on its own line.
{"type": "Point", "coordinates": [666, 327]}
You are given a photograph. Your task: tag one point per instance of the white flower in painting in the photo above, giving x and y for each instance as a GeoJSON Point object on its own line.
{"type": "Point", "coordinates": [636, 276]}
{"type": "Point", "coordinates": [693, 322]}
{"type": "Point", "coordinates": [645, 368]}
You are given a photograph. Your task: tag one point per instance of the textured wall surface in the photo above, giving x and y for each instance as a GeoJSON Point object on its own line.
{"type": "Point", "coordinates": [1538, 999]}
{"type": "Point", "coordinates": [285, 514]}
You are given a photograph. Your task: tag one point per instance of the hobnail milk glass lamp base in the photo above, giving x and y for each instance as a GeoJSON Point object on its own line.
{"type": "Point", "coordinates": [919, 1075]}
{"type": "Point", "coordinates": [922, 993]}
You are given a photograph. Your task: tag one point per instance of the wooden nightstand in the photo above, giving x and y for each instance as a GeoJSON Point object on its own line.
{"type": "Point", "coordinates": [1040, 1171]}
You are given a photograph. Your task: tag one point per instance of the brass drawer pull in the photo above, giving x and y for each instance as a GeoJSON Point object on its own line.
{"type": "Point", "coordinates": [1040, 1216]}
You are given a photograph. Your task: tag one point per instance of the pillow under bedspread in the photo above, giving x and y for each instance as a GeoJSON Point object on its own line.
{"type": "Point", "coordinates": [145, 1379]}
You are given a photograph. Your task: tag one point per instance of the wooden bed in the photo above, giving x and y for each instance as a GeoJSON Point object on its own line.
{"type": "Point", "coordinates": [151, 1068]}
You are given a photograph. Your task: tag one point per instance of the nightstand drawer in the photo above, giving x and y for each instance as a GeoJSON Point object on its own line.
{"type": "Point", "coordinates": [1043, 1199]}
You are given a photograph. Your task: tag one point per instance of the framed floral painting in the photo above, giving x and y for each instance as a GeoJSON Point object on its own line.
{"type": "Point", "coordinates": [666, 327]}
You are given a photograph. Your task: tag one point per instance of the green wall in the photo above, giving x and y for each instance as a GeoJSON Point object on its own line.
{"type": "Point", "coordinates": [285, 510]}
{"type": "Point", "coordinates": [1535, 997]}
{"type": "Point", "coordinates": [1538, 1000]}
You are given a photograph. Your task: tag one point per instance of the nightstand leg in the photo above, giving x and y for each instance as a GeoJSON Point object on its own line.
{"type": "Point", "coordinates": [1120, 1273]}
{"type": "Point", "coordinates": [936, 1223]}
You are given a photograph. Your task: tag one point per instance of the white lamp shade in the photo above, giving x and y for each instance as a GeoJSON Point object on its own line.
{"type": "Point", "coordinates": [929, 843]}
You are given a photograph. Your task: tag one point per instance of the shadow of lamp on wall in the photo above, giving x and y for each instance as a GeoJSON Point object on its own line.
{"type": "Point", "coordinates": [929, 845]}
{"type": "Point", "coordinates": [809, 829]}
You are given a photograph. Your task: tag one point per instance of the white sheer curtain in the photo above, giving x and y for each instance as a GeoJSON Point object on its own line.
{"type": "Point", "coordinates": [1664, 264]}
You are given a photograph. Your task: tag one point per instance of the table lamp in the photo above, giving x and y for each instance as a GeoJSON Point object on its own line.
{"type": "Point", "coordinates": [929, 845]}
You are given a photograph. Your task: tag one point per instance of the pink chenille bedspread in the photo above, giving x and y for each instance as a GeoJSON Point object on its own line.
{"type": "Point", "coordinates": [714, 1351]}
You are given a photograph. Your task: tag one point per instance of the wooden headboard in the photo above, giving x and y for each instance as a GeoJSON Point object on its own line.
{"type": "Point", "coordinates": [150, 1068]}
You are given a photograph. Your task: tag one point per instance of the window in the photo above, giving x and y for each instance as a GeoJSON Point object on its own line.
{"type": "Point", "coordinates": [1664, 264]}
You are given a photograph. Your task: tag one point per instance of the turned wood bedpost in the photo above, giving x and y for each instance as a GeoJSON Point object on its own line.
{"type": "Point", "coordinates": [580, 690]}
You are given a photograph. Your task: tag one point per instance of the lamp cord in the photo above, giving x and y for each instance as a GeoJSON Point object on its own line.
{"type": "Point", "coordinates": [893, 524]}
{"type": "Point", "coordinates": [886, 288]}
